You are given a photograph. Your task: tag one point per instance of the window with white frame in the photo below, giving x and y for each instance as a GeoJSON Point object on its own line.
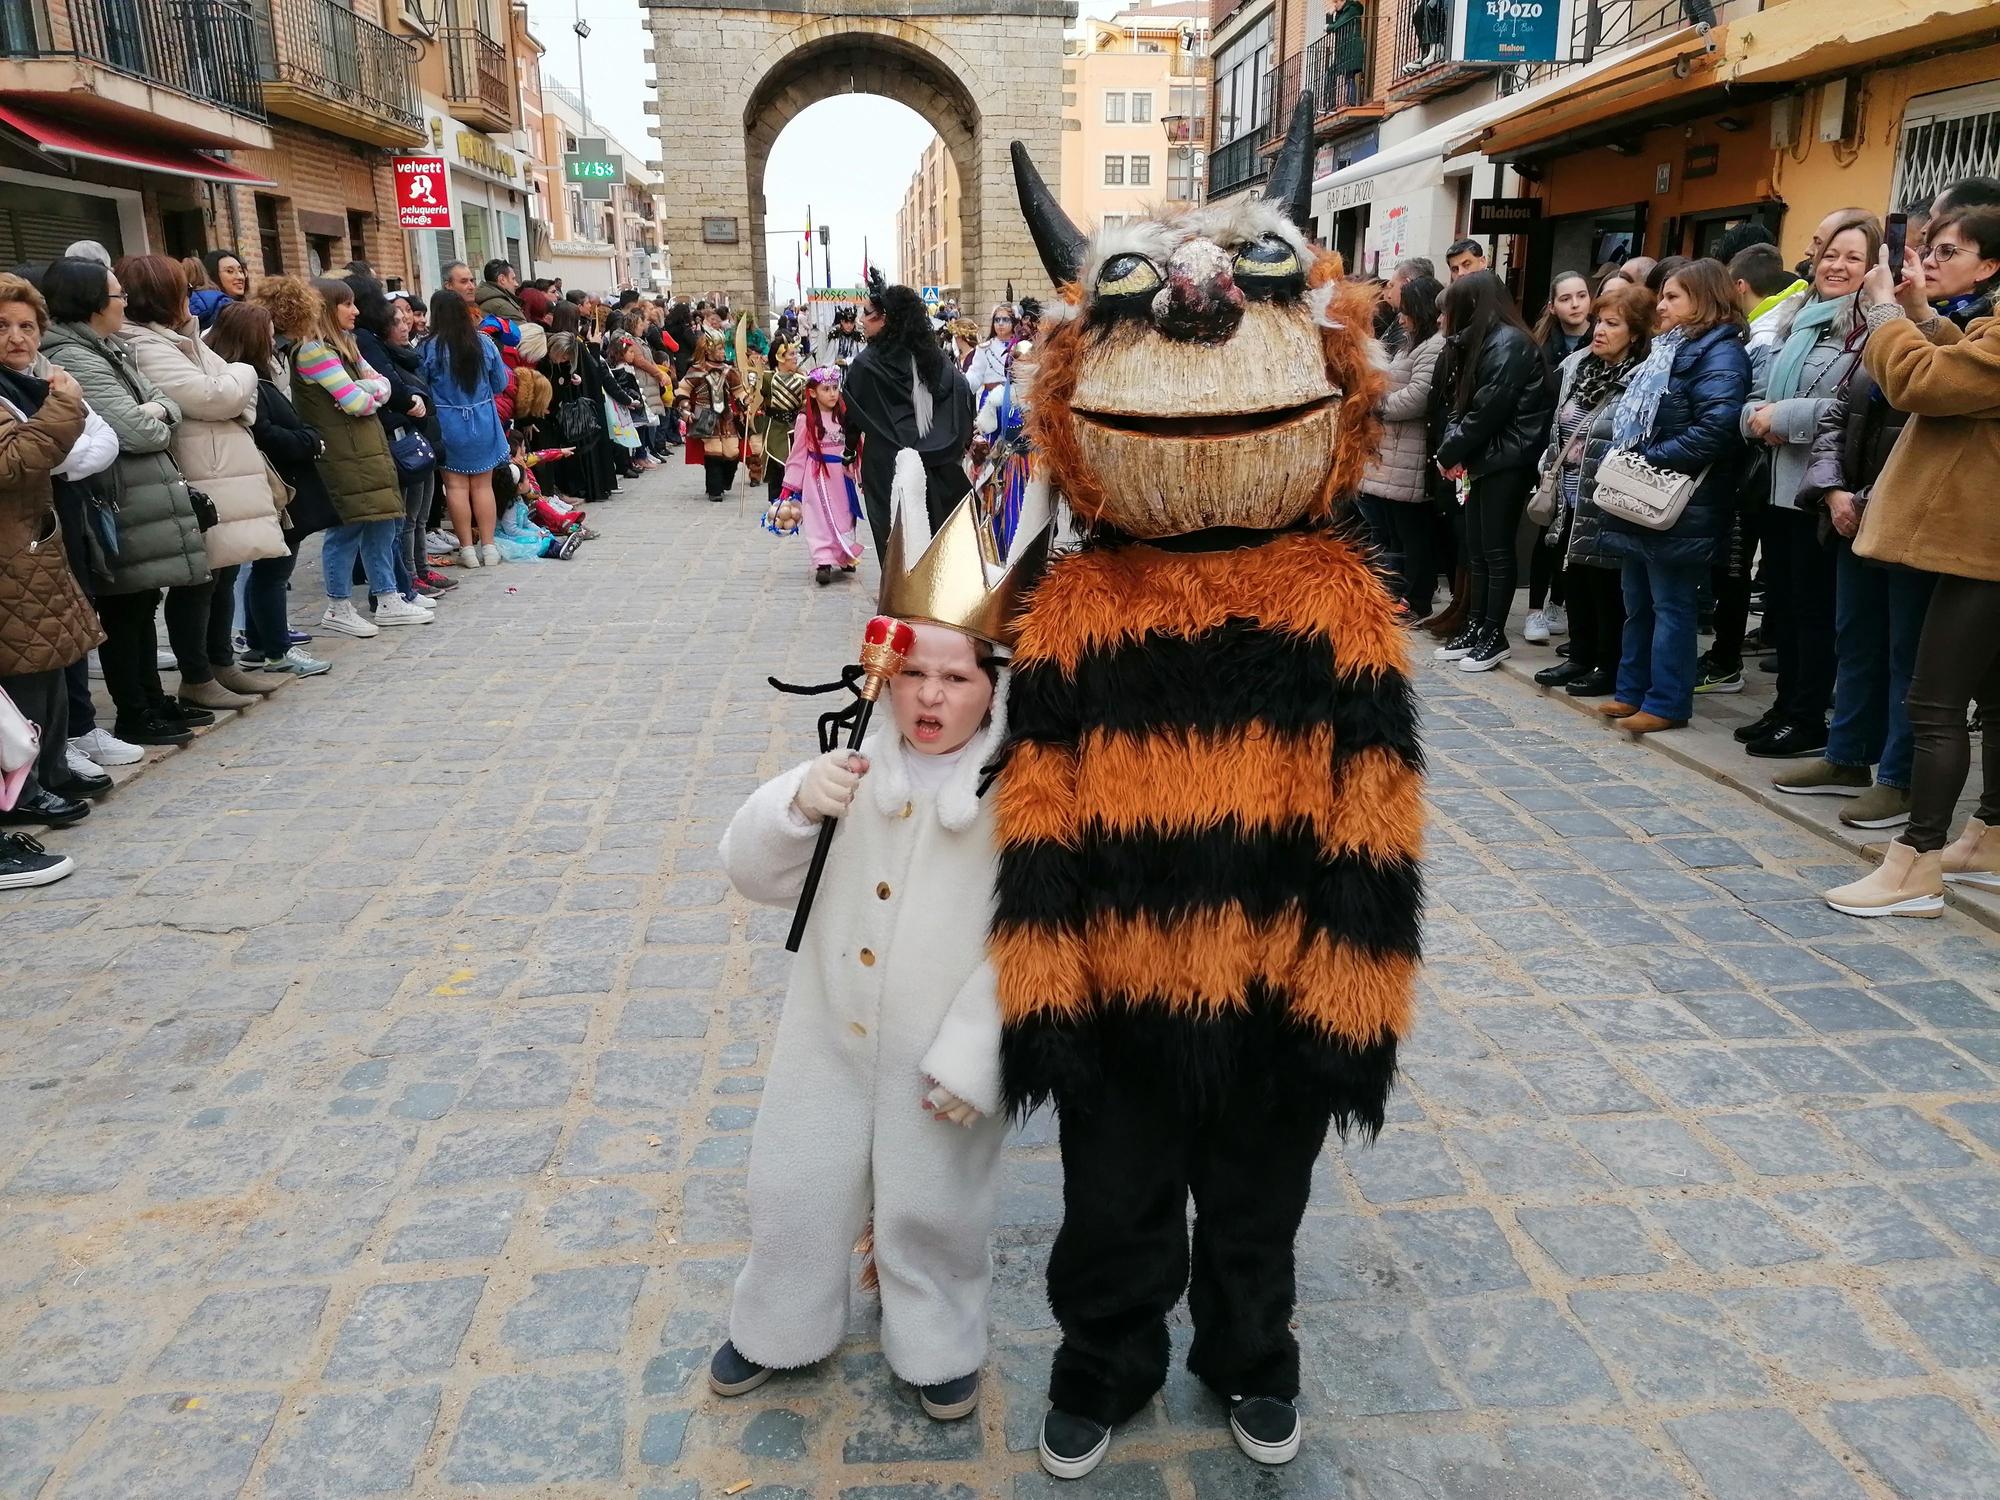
{"type": "Point", "coordinates": [1180, 176]}
{"type": "Point", "coordinates": [1142, 171]}
{"type": "Point", "coordinates": [1946, 137]}
{"type": "Point", "coordinates": [1111, 221]}
{"type": "Point", "coordinates": [1114, 109]}
{"type": "Point", "coordinates": [1114, 171]}
{"type": "Point", "coordinates": [1142, 107]}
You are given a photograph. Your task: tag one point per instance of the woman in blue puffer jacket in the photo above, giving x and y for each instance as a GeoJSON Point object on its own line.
{"type": "Point", "coordinates": [1681, 410]}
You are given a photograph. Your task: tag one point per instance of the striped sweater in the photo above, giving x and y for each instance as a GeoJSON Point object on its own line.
{"type": "Point", "coordinates": [359, 395]}
{"type": "Point", "coordinates": [1210, 821]}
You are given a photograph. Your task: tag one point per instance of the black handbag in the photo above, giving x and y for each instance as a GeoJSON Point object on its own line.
{"type": "Point", "coordinates": [577, 423]}
{"type": "Point", "coordinates": [413, 455]}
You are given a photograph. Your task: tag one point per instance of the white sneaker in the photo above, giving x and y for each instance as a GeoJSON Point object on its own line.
{"type": "Point", "coordinates": [394, 609]}
{"type": "Point", "coordinates": [1558, 619]}
{"type": "Point", "coordinates": [343, 618]}
{"type": "Point", "coordinates": [165, 661]}
{"type": "Point", "coordinates": [80, 764]}
{"type": "Point", "coordinates": [1536, 631]}
{"type": "Point", "coordinates": [440, 542]}
{"type": "Point", "coordinates": [468, 557]}
{"type": "Point", "coordinates": [106, 749]}
{"type": "Point", "coordinates": [428, 606]}
{"type": "Point", "coordinates": [296, 663]}
{"type": "Point", "coordinates": [489, 556]}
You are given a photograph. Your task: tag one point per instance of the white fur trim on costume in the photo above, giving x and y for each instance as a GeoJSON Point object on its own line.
{"type": "Point", "coordinates": [958, 799]}
{"type": "Point", "coordinates": [908, 505]}
{"type": "Point", "coordinates": [965, 1057]}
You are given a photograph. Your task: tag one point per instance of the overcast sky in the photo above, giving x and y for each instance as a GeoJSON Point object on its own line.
{"type": "Point", "coordinates": [848, 158]}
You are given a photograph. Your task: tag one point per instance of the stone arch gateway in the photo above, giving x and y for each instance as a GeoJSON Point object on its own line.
{"type": "Point", "coordinates": [982, 73]}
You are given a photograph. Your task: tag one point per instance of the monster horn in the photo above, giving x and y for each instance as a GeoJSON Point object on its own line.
{"type": "Point", "coordinates": [1057, 240]}
{"type": "Point", "coordinates": [1291, 181]}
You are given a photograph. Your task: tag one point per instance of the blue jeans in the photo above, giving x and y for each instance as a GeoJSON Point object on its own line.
{"type": "Point", "coordinates": [375, 541]}
{"type": "Point", "coordinates": [1878, 618]}
{"type": "Point", "coordinates": [1656, 665]}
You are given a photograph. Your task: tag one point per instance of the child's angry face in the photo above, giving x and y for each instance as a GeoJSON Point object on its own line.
{"type": "Point", "coordinates": [943, 694]}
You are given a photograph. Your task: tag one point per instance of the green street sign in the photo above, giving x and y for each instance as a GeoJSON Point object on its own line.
{"type": "Point", "coordinates": [592, 169]}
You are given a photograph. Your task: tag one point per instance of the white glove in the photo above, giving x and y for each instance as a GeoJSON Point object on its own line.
{"type": "Point", "coordinates": [828, 788]}
{"type": "Point", "coordinates": [943, 1105]}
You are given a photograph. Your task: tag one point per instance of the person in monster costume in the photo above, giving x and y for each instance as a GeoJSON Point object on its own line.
{"type": "Point", "coordinates": [1206, 928]}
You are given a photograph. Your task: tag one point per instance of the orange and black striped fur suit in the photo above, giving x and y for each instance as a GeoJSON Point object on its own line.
{"type": "Point", "coordinates": [1211, 808]}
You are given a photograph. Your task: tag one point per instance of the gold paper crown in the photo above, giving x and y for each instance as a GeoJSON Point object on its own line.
{"type": "Point", "coordinates": [960, 582]}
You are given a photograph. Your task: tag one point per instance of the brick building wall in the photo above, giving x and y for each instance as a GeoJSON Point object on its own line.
{"type": "Point", "coordinates": [323, 180]}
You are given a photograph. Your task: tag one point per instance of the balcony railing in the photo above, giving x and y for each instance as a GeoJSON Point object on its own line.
{"type": "Point", "coordinates": [203, 49]}
{"type": "Point", "coordinates": [323, 46]}
{"type": "Point", "coordinates": [1422, 65]}
{"type": "Point", "coordinates": [477, 71]}
{"type": "Point", "coordinates": [1187, 130]}
{"type": "Point", "coordinates": [1337, 64]}
{"type": "Point", "coordinates": [1599, 25]}
{"type": "Point", "coordinates": [1240, 161]}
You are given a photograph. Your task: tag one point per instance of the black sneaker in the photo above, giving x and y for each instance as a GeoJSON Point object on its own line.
{"type": "Point", "coordinates": [1460, 646]}
{"type": "Point", "coordinates": [730, 1374]}
{"type": "Point", "coordinates": [43, 808]}
{"type": "Point", "coordinates": [1598, 684]}
{"type": "Point", "coordinates": [1563, 675]}
{"type": "Point", "coordinates": [1709, 678]}
{"type": "Point", "coordinates": [152, 729]}
{"type": "Point", "coordinates": [24, 862]}
{"type": "Point", "coordinates": [1756, 729]}
{"type": "Point", "coordinates": [951, 1399]}
{"type": "Point", "coordinates": [1266, 1428]}
{"type": "Point", "coordinates": [1490, 650]}
{"type": "Point", "coordinates": [190, 715]}
{"type": "Point", "coordinates": [1790, 742]}
{"type": "Point", "coordinates": [1072, 1446]}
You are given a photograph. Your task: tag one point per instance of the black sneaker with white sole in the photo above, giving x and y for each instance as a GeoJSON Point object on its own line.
{"type": "Point", "coordinates": [1266, 1428]}
{"type": "Point", "coordinates": [1072, 1446]}
{"type": "Point", "coordinates": [24, 862]}
{"type": "Point", "coordinates": [1487, 652]}
{"type": "Point", "coordinates": [1460, 645]}
{"type": "Point", "coordinates": [731, 1374]}
{"type": "Point", "coordinates": [949, 1400]}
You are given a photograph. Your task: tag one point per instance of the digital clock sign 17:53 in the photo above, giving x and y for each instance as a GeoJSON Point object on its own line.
{"type": "Point", "coordinates": [591, 169]}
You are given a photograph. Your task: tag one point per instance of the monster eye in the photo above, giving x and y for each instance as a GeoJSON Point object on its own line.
{"type": "Point", "coordinates": [1267, 257]}
{"type": "Point", "coordinates": [1127, 276]}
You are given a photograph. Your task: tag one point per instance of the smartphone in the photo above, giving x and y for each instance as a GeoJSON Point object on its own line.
{"type": "Point", "coordinates": [1895, 231]}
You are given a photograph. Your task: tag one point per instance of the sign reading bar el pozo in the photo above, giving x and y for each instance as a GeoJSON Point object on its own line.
{"type": "Point", "coordinates": [1512, 31]}
{"type": "Point", "coordinates": [1505, 215]}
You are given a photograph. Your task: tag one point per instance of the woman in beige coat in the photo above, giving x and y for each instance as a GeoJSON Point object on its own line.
{"type": "Point", "coordinates": [217, 456]}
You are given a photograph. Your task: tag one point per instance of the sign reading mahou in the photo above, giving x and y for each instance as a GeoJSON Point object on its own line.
{"type": "Point", "coordinates": [1505, 215]}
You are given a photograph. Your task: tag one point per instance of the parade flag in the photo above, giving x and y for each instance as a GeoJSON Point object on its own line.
{"type": "Point", "coordinates": [798, 273]}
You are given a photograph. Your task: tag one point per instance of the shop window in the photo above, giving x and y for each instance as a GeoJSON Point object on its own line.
{"type": "Point", "coordinates": [1114, 171]}
{"type": "Point", "coordinates": [357, 235]}
{"type": "Point", "coordinates": [1114, 109]}
{"type": "Point", "coordinates": [1946, 137]}
{"type": "Point", "coordinates": [38, 224]}
{"type": "Point", "coordinates": [182, 232]}
{"type": "Point", "coordinates": [270, 237]}
{"type": "Point", "coordinates": [447, 243]}
{"type": "Point", "coordinates": [1142, 171]}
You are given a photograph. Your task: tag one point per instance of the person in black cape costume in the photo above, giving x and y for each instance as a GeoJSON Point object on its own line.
{"type": "Point", "coordinates": [881, 389]}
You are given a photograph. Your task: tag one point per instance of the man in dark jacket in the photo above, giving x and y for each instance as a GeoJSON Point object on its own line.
{"type": "Point", "coordinates": [498, 294]}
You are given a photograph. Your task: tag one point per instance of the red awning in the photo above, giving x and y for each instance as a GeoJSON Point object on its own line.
{"type": "Point", "coordinates": [87, 142]}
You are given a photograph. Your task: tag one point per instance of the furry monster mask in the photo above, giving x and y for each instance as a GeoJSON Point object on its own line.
{"type": "Point", "coordinates": [1208, 369]}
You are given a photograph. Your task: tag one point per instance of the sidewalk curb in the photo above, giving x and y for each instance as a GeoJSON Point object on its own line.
{"type": "Point", "coordinates": [1979, 906]}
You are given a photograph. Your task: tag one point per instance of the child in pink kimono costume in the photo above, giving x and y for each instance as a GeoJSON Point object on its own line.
{"type": "Point", "coordinates": [816, 476]}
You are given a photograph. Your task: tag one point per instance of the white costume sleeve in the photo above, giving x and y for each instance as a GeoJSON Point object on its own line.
{"type": "Point", "coordinates": [965, 1058]}
{"type": "Point", "coordinates": [768, 845]}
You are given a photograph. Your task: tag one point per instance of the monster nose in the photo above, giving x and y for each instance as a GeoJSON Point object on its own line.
{"type": "Point", "coordinates": [1198, 309]}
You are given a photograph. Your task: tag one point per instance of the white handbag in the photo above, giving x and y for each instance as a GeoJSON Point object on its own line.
{"type": "Point", "coordinates": [1646, 495]}
{"type": "Point", "coordinates": [20, 746]}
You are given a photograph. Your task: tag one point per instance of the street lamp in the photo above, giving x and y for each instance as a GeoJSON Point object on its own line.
{"type": "Point", "coordinates": [1179, 131]}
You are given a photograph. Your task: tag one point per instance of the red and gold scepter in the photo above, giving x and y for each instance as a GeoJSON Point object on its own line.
{"type": "Point", "coordinates": [884, 644]}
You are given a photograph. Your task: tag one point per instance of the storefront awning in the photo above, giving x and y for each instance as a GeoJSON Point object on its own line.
{"type": "Point", "coordinates": [1787, 43]}
{"type": "Point", "coordinates": [1441, 142]}
{"type": "Point", "coordinates": [1674, 69]}
{"type": "Point", "coordinates": [85, 142]}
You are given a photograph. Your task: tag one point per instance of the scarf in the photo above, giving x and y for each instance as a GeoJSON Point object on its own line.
{"type": "Point", "coordinates": [1594, 380]}
{"type": "Point", "coordinates": [23, 391]}
{"type": "Point", "coordinates": [1966, 306]}
{"type": "Point", "coordinates": [1788, 364]}
{"type": "Point", "coordinates": [1632, 424]}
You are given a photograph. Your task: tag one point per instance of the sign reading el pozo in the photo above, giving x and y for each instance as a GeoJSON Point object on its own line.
{"type": "Point", "coordinates": [1512, 31]}
{"type": "Point", "coordinates": [421, 199]}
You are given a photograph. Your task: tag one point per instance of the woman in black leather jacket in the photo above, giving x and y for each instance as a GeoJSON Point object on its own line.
{"type": "Point", "coordinates": [1496, 431]}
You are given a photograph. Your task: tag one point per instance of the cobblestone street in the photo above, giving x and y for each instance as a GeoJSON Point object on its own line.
{"type": "Point", "coordinates": [378, 1097]}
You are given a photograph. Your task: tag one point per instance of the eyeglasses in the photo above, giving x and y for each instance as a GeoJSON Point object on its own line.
{"type": "Point", "coordinates": [1942, 254]}
{"type": "Point", "coordinates": [114, 296]}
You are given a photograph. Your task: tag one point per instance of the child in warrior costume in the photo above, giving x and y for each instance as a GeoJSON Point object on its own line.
{"type": "Point", "coordinates": [891, 1002]}
{"type": "Point", "coordinates": [816, 476]}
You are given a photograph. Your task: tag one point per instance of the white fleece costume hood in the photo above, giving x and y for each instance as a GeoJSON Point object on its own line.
{"type": "Point", "coordinates": [891, 985]}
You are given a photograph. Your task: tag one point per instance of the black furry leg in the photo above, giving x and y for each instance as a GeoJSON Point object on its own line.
{"type": "Point", "coordinates": [1132, 1151]}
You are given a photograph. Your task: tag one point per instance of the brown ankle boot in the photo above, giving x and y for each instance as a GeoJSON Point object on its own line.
{"type": "Point", "coordinates": [1906, 884]}
{"type": "Point", "coordinates": [250, 684]}
{"type": "Point", "coordinates": [1644, 723]}
{"type": "Point", "coordinates": [1616, 710]}
{"type": "Point", "coordinates": [1973, 858]}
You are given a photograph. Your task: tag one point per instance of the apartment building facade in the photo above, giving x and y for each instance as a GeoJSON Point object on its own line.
{"type": "Point", "coordinates": [268, 126]}
{"type": "Point", "coordinates": [927, 226]}
{"type": "Point", "coordinates": [1135, 112]}
{"type": "Point", "coordinates": [611, 244]}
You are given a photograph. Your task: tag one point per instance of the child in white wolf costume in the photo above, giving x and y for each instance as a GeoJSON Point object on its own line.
{"type": "Point", "coordinates": [883, 1095]}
